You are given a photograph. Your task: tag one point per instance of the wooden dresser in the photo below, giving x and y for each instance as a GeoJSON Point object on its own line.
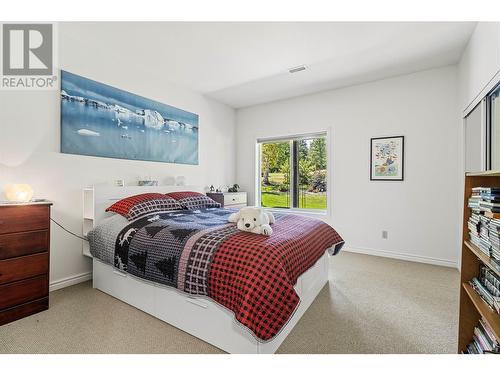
{"type": "Point", "coordinates": [230, 200]}
{"type": "Point", "coordinates": [24, 260]}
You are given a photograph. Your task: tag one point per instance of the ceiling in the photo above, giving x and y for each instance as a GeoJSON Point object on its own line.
{"type": "Point", "coordinates": [243, 64]}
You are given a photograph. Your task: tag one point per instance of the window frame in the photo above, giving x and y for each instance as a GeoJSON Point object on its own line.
{"type": "Point", "coordinates": [327, 134]}
{"type": "Point", "coordinates": [489, 123]}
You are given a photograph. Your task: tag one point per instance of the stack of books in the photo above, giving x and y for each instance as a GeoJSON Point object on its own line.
{"type": "Point", "coordinates": [484, 340]}
{"type": "Point", "coordinates": [474, 199]}
{"type": "Point", "coordinates": [490, 202]}
{"type": "Point", "coordinates": [491, 282]}
{"type": "Point", "coordinates": [484, 235]}
{"type": "Point", "coordinates": [474, 225]}
{"type": "Point", "coordinates": [487, 285]}
{"type": "Point", "coordinates": [494, 232]}
{"type": "Point", "coordinates": [484, 222]}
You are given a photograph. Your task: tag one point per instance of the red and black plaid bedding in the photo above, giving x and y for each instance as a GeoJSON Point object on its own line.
{"type": "Point", "coordinates": [200, 253]}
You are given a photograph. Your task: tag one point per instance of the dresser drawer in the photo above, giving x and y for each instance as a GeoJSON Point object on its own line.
{"type": "Point", "coordinates": [19, 244]}
{"type": "Point", "coordinates": [21, 311]}
{"type": "Point", "coordinates": [23, 218]}
{"type": "Point", "coordinates": [23, 291]}
{"type": "Point", "coordinates": [235, 198]}
{"type": "Point", "coordinates": [23, 267]}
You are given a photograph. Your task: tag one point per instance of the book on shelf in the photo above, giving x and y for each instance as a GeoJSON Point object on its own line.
{"type": "Point", "coordinates": [487, 286]}
{"type": "Point", "coordinates": [492, 215]}
{"type": "Point", "coordinates": [489, 190]}
{"type": "Point", "coordinates": [483, 340]}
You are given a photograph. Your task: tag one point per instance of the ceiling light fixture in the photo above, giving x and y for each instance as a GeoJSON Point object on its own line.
{"type": "Point", "coordinates": [297, 69]}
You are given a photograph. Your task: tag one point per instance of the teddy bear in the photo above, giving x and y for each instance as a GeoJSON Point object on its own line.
{"type": "Point", "coordinates": [254, 220]}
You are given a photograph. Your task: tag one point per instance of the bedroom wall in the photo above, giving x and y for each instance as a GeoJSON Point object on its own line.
{"type": "Point", "coordinates": [480, 61]}
{"type": "Point", "coordinates": [29, 145]}
{"type": "Point", "coordinates": [420, 213]}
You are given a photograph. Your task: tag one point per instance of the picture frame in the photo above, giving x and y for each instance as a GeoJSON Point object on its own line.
{"type": "Point", "coordinates": [104, 121]}
{"type": "Point", "coordinates": [387, 158]}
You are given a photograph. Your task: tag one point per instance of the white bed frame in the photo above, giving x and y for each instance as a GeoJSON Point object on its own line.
{"type": "Point", "coordinates": [198, 316]}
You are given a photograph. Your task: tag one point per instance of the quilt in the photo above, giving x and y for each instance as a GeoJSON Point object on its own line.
{"type": "Point", "coordinates": [200, 253]}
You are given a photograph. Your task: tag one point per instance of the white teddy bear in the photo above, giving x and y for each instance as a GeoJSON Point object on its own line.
{"type": "Point", "coordinates": [253, 219]}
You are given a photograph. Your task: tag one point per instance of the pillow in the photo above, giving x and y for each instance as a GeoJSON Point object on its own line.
{"type": "Point", "coordinates": [143, 203]}
{"type": "Point", "coordinates": [154, 205]}
{"type": "Point", "coordinates": [192, 200]}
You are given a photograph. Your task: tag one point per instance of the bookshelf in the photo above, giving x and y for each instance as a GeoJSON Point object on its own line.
{"type": "Point", "coordinates": [472, 307]}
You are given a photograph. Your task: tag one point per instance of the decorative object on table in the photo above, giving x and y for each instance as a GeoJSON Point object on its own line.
{"type": "Point", "coordinates": [21, 193]}
{"type": "Point", "coordinates": [24, 259]}
{"type": "Point", "coordinates": [387, 158]}
{"type": "Point", "coordinates": [120, 183]}
{"type": "Point", "coordinates": [229, 200]}
{"type": "Point", "coordinates": [100, 120]}
{"type": "Point", "coordinates": [212, 189]}
{"type": "Point", "coordinates": [233, 189]}
{"type": "Point", "coordinates": [180, 180]}
{"type": "Point", "coordinates": [148, 183]}
{"type": "Point", "coordinates": [253, 219]}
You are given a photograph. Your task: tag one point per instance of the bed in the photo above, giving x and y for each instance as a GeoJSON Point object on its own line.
{"type": "Point", "coordinates": [239, 291]}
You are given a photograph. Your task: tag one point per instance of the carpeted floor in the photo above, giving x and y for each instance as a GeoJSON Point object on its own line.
{"type": "Point", "coordinates": [371, 305]}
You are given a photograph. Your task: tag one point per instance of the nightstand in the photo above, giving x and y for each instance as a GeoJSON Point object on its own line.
{"type": "Point", "coordinates": [230, 200]}
{"type": "Point", "coordinates": [24, 259]}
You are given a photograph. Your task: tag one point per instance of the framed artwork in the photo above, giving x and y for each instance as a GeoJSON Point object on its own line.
{"type": "Point", "coordinates": [387, 158]}
{"type": "Point", "coordinates": [100, 120]}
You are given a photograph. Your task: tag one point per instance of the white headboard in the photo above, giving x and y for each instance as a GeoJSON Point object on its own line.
{"type": "Point", "coordinates": [97, 198]}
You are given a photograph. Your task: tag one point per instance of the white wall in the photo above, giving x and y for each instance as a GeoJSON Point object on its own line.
{"type": "Point", "coordinates": [29, 143]}
{"type": "Point", "coordinates": [419, 213]}
{"type": "Point", "coordinates": [480, 61]}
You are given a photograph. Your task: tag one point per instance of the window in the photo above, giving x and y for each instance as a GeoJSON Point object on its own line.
{"type": "Point", "coordinates": [293, 172]}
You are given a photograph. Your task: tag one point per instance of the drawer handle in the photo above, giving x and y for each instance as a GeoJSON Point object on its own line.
{"type": "Point", "coordinates": [234, 199]}
{"type": "Point", "coordinates": [197, 303]}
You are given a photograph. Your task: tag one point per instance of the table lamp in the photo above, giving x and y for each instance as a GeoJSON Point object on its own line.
{"type": "Point", "coordinates": [19, 193]}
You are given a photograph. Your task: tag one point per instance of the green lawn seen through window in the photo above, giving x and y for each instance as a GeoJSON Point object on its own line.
{"type": "Point", "coordinates": [271, 196]}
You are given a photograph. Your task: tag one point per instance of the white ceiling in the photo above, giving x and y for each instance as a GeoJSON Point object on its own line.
{"type": "Point", "coordinates": [243, 64]}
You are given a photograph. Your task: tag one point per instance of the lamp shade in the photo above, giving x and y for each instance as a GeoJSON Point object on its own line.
{"type": "Point", "coordinates": [19, 193]}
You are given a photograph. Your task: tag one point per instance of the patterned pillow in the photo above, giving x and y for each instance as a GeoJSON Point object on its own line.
{"type": "Point", "coordinates": [192, 200]}
{"type": "Point", "coordinates": [154, 205]}
{"type": "Point", "coordinates": [124, 206]}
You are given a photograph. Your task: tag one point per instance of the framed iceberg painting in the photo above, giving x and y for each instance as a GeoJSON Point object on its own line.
{"type": "Point", "coordinates": [100, 120]}
{"type": "Point", "coordinates": [387, 158]}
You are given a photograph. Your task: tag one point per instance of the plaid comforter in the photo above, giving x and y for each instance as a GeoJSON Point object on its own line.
{"type": "Point", "coordinates": [200, 253]}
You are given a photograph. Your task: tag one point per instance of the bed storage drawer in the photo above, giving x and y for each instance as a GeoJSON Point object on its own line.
{"type": "Point", "coordinates": [176, 308]}
{"type": "Point", "coordinates": [312, 278]}
{"type": "Point", "coordinates": [19, 244]}
{"type": "Point", "coordinates": [24, 218]}
{"type": "Point", "coordinates": [123, 286]}
{"type": "Point", "coordinates": [23, 267]}
{"type": "Point", "coordinates": [23, 291]}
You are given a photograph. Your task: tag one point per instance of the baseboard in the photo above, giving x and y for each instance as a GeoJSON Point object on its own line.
{"type": "Point", "coordinates": [68, 281]}
{"type": "Point", "coordinates": [402, 256]}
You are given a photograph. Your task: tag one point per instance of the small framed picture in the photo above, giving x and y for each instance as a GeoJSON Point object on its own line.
{"type": "Point", "coordinates": [387, 158]}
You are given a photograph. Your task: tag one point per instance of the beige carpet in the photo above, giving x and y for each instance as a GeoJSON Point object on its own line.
{"type": "Point", "coordinates": [371, 305]}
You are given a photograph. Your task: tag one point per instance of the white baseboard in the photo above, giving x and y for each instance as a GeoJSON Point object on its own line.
{"type": "Point", "coordinates": [402, 256]}
{"type": "Point", "coordinates": [68, 281]}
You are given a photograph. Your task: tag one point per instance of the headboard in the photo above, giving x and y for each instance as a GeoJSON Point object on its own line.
{"type": "Point", "coordinates": [97, 198]}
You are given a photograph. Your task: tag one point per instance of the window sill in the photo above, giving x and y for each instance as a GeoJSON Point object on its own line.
{"type": "Point", "coordinates": [312, 213]}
